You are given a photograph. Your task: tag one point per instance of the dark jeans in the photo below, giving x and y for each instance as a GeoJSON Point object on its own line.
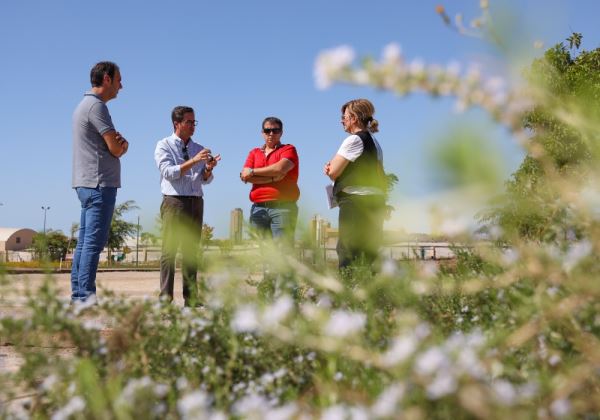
{"type": "Point", "coordinates": [360, 228]}
{"type": "Point", "coordinates": [97, 206]}
{"type": "Point", "coordinates": [182, 227]}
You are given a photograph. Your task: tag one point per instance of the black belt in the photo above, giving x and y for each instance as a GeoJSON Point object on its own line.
{"type": "Point", "coordinates": [183, 197]}
{"type": "Point", "coordinates": [274, 204]}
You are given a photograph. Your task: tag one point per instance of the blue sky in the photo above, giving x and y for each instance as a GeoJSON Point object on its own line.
{"type": "Point", "coordinates": [236, 62]}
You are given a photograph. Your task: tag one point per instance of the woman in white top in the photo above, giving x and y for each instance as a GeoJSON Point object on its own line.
{"type": "Point", "coordinates": [359, 186]}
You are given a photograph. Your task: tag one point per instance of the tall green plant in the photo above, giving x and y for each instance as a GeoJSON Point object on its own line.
{"type": "Point", "coordinates": [560, 146]}
{"type": "Point", "coordinates": [120, 229]}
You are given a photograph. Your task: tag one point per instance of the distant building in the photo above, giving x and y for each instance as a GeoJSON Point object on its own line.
{"type": "Point", "coordinates": [320, 231]}
{"type": "Point", "coordinates": [236, 224]}
{"type": "Point", "coordinates": [15, 239]}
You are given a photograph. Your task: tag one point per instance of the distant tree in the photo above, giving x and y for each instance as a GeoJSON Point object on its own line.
{"type": "Point", "coordinates": [53, 245]}
{"type": "Point", "coordinates": [531, 208]}
{"type": "Point", "coordinates": [149, 238]}
{"type": "Point", "coordinates": [120, 229]}
{"type": "Point", "coordinates": [391, 180]}
{"type": "Point", "coordinates": [72, 239]}
{"type": "Point", "coordinates": [207, 234]}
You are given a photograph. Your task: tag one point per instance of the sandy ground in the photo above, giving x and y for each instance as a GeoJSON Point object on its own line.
{"type": "Point", "coordinates": [130, 284]}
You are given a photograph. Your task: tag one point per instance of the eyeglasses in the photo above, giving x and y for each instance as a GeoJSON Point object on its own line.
{"type": "Point", "coordinates": [186, 157]}
{"type": "Point", "coordinates": [190, 122]}
{"type": "Point", "coordinates": [272, 130]}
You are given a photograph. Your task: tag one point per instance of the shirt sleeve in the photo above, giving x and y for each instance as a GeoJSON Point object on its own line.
{"type": "Point", "coordinates": [165, 162]}
{"type": "Point", "coordinates": [290, 154]}
{"type": "Point", "coordinates": [351, 148]}
{"type": "Point", "coordinates": [249, 160]}
{"type": "Point", "coordinates": [100, 119]}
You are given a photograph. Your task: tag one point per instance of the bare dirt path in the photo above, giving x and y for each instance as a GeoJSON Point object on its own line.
{"type": "Point", "coordinates": [130, 284]}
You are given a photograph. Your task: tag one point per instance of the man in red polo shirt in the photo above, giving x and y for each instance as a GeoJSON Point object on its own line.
{"type": "Point", "coordinates": [273, 171]}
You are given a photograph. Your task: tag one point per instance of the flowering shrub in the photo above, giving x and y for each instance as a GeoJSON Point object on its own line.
{"type": "Point", "coordinates": [501, 333]}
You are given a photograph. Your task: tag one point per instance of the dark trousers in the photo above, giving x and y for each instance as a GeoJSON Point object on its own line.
{"type": "Point", "coordinates": [360, 228]}
{"type": "Point", "coordinates": [181, 228]}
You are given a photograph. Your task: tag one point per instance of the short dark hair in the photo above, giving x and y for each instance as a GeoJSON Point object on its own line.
{"type": "Point", "coordinates": [179, 111]}
{"type": "Point", "coordinates": [100, 69]}
{"type": "Point", "coordinates": [272, 120]}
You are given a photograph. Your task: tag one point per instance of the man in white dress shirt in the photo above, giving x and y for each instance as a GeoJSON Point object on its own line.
{"type": "Point", "coordinates": [184, 167]}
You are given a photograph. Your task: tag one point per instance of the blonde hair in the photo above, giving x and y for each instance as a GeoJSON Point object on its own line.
{"type": "Point", "coordinates": [363, 110]}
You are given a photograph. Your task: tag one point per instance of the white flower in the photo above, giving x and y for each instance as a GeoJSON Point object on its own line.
{"type": "Point", "coordinates": [552, 291]}
{"type": "Point", "coordinates": [387, 402]}
{"type": "Point", "coordinates": [416, 67]}
{"type": "Point", "coordinates": [560, 408]}
{"type": "Point", "coordinates": [430, 361]}
{"type": "Point", "coordinates": [161, 390]}
{"type": "Point", "coordinates": [358, 413]}
{"type": "Point", "coordinates": [49, 382]}
{"type": "Point", "coordinates": [389, 268]}
{"type": "Point", "coordinates": [92, 325]}
{"type": "Point", "coordinates": [429, 269]}
{"type": "Point", "coordinates": [510, 256]}
{"type": "Point", "coordinates": [401, 349]}
{"type": "Point", "coordinates": [335, 412]}
{"type": "Point", "coordinates": [193, 405]}
{"type": "Point", "coordinates": [285, 412]}
{"type": "Point", "coordinates": [245, 319]}
{"type": "Point", "coordinates": [182, 383]}
{"type": "Point", "coordinates": [338, 376]}
{"type": "Point", "coordinates": [330, 62]}
{"type": "Point", "coordinates": [504, 391]}
{"type": "Point", "coordinates": [576, 253]}
{"type": "Point", "coordinates": [252, 406]}
{"type": "Point", "coordinates": [343, 323]}
{"type": "Point", "coordinates": [75, 405]}
{"type": "Point", "coordinates": [453, 69]}
{"type": "Point", "coordinates": [277, 312]}
{"type": "Point", "coordinates": [467, 360]}
{"type": "Point", "coordinates": [554, 360]}
{"type": "Point", "coordinates": [422, 330]}
{"type": "Point", "coordinates": [443, 384]}
{"type": "Point", "coordinates": [392, 53]}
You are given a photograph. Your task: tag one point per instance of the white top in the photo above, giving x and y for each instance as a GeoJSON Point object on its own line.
{"type": "Point", "coordinates": [352, 147]}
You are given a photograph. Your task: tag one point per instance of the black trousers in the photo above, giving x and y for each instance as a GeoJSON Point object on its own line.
{"type": "Point", "coordinates": [181, 228]}
{"type": "Point", "coordinates": [360, 228]}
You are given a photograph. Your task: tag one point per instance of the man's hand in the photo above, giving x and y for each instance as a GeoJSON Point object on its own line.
{"type": "Point", "coordinates": [246, 174]}
{"type": "Point", "coordinates": [122, 142]}
{"type": "Point", "coordinates": [327, 168]}
{"type": "Point", "coordinates": [202, 155]}
{"type": "Point", "coordinates": [212, 162]}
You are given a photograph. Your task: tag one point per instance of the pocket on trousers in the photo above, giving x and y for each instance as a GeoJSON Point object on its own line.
{"type": "Point", "coordinates": [85, 196]}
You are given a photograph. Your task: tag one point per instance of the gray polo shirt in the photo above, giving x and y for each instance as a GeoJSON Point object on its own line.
{"type": "Point", "coordinates": [93, 165]}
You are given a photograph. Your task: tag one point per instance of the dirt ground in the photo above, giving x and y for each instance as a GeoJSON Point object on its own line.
{"type": "Point", "coordinates": [130, 284]}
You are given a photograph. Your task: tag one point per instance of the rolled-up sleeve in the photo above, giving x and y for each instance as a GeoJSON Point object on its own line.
{"type": "Point", "coordinates": [164, 159]}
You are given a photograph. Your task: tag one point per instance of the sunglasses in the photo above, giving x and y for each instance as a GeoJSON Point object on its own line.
{"type": "Point", "coordinates": [272, 130]}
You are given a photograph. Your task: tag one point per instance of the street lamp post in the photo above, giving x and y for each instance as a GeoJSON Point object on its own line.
{"type": "Point", "coordinates": [45, 208]}
{"type": "Point", "coordinates": [137, 242]}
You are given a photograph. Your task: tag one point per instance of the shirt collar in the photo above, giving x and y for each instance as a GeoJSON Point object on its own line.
{"type": "Point", "coordinates": [264, 146]}
{"type": "Point", "coordinates": [178, 141]}
{"type": "Point", "coordinates": [91, 93]}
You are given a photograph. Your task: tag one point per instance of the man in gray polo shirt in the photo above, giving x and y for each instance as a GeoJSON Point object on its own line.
{"type": "Point", "coordinates": [97, 147]}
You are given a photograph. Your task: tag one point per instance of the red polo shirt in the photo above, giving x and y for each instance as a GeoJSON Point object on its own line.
{"type": "Point", "coordinates": [284, 190]}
